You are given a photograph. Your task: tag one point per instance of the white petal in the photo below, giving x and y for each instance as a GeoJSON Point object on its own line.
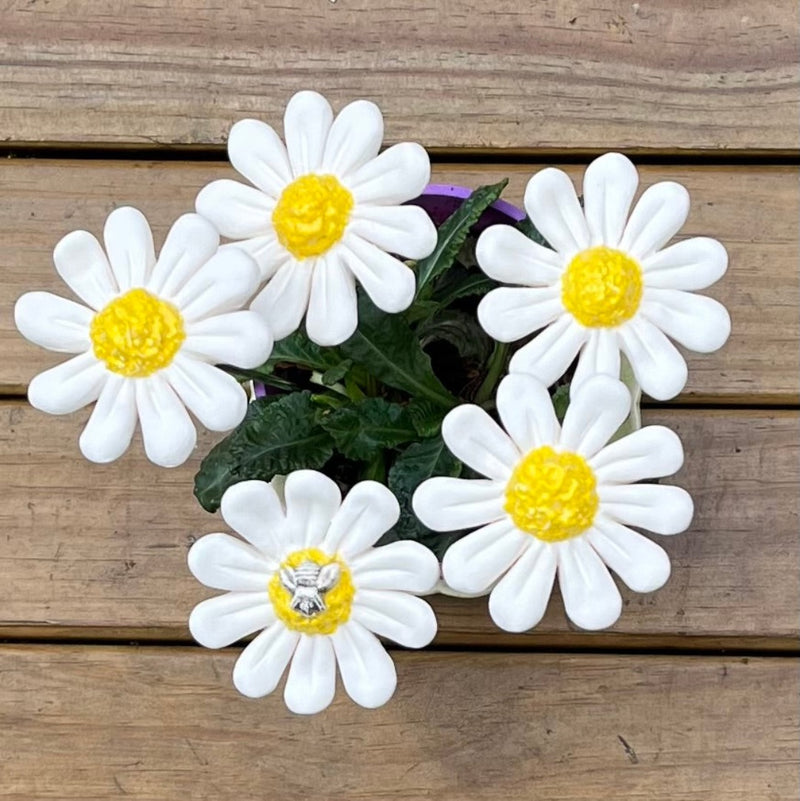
{"type": "Point", "coordinates": [691, 264]}
{"type": "Point", "coordinates": [450, 504]}
{"type": "Point", "coordinates": [699, 323]}
{"type": "Point", "coordinates": [609, 185]}
{"type": "Point", "coordinates": [507, 255]}
{"type": "Point", "coordinates": [657, 217]}
{"type": "Point", "coordinates": [215, 398]}
{"type": "Point", "coordinates": [306, 123]}
{"type": "Point", "coordinates": [553, 207]}
{"type": "Point", "coordinates": [257, 153]}
{"type": "Point", "coordinates": [190, 243]}
{"type": "Point", "coordinates": [638, 561]}
{"type": "Point", "coordinates": [367, 671]}
{"type": "Point", "coordinates": [268, 253]}
{"type": "Point", "coordinates": [52, 322]}
{"type": "Point", "coordinates": [354, 138]}
{"type": "Point", "coordinates": [591, 598]}
{"type": "Point", "coordinates": [399, 174]}
{"type": "Point", "coordinates": [549, 354]}
{"type": "Point", "coordinates": [168, 432]}
{"type": "Point", "coordinates": [660, 508]}
{"type": "Point", "coordinates": [283, 301]}
{"type": "Point", "coordinates": [599, 356]}
{"type": "Point", "coordinates": [69, 386]}
{"type": "Point", "coordinates": [526, 412]}
{"type": "Point", "coordinates": [129, 245]}
{"type": "Point", "coordinates": [220, 621]}
{"type": "Point", "coordinates": [237, 211]}
{"type": "Point", "coordinates": [260, 667]}
{"type": "Point", "coordinates": [224, 283]}
{"type": "Point", "coordinates": [510, 313]}
{"type": "Point", "coordinates": [650, 452]}
{"type": "Point", "coordinates": [368, 511]}
{"type": "Point", "coordinates": [398, 616]}
{"type": "Point", "coordinates": [475, 562]}
{"type": "Point", "coordinates": [312, 499]}
{"type": "Point", "coordinates": [519, 600]}
{"type": "Point", "coordinates": [596, 410]}
{"type": "Point", "coordinates": [659, 368]}
{"type": "Point", "coordinates": [474, 438]}
{"type": "Point", "coordinates": [405, 230]}
{"type": "Point", "coordinates": [241, 338]}
{"type": "Point", "coordinates": [332, 306]}
{"type": "Point", "coordinates": [402, 565]}
{"type": "Point", "coordinates": [389, 283]}
{"type": "Point", "coordinates": [224, 562]}
{"type": "Point", "coordinates": [108, 433]}
{"type": "Point", "coordinates": [311, 683]}
{"type": "Point", "coordinates": [80, 261]}
{"type": "Point", "coordinates": [253, 509]}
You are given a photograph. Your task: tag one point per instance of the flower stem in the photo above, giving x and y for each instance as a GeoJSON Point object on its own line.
{"type": "Point", "coordinates": [497, 363]}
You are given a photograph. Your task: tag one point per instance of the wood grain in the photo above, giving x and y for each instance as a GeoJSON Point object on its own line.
{"type": "Point", "coordinates": [719, 75]}
{"type": "Point", "coordinates": [753, 211]}
{"type": "Point", "coordinates": [155, 723]}
{"type": "Point", "coordinates": [93, 551]}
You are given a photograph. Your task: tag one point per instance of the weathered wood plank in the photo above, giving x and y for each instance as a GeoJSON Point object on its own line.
{"type": "Point", "coordinates": [155, 723]}
{"type": "Point", "coordinates": [523, 76]}
{"type": "Point", "coordinates": [752, 210]}
{"type": "Point", "coordinates": [91, 551]}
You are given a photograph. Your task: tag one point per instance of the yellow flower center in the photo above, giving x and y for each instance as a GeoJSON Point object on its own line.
{"type": "Point", "coordinates": [552, 495]}
{"type": "Point", "coordinates": [311, 215]}
{"type": "Point", "coordinates": [137, 334]}
{"type": "Point", "coordinates": [602, 287]}
{"type": "Point", "coordinates": [303, 597]}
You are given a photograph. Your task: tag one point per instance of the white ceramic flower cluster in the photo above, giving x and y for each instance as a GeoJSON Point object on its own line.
{"type": "Point", "coordinates": [324, 211]}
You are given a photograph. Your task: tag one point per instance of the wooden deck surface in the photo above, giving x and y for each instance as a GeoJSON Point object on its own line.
{"type": "Point", "coordinates": [693, 694]}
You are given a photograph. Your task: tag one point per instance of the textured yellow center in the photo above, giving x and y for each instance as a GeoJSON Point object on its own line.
{"type": "Point", "coordinates": [602, 287]}
{"type": "Point", "coordinates": [137, 334]}
{"type": "Point", "coordinates": [552, 495]}
{"type": "Point", "coordinates": [311, 215]}
{"type": "Point", "coordinates": [338, 599]}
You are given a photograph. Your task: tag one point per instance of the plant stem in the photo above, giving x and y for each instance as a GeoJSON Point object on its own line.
{"type": "Point", "coordinates": [497, 363]}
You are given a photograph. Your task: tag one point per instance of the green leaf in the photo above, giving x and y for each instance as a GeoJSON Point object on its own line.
{"type": "Point", "coordinates": [461, 330]}
{"type": "Point", "coordinates": [386, 346]}
{"type": "Point", "coordinates": [277, 435]}
{"type": "Point", "coordinates": [426, 417]}
{"type": "Point", "coordinates": [561, 401]}
{"type": "Point", "coordinates": [362, 429]}
{"type": "Point", "coordinates": [298, 349]}
{"type": "Point", "coordinates": [453, 232]}
{"type": "Point", "coordinates": [420, 461]}
{"type": "Point", "coordinates": [458, 282]}
{"type": "Point", "coordinates": [335, 374]}
{"type": "Point", "coordinates": [532, 232]}
{"type": "Point", "coordinates": [633, 422]}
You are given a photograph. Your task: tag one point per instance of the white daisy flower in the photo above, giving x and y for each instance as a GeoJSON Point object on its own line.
{"type": "Point", "coordinates": [309, 577]}
{"type": "Point", "coordinates": [607, 285]}
{"type": "Point", "coordinates": [555, 500]}
{"type": "Point", "coordinates": [148, 336]}
{"type": "Point", "coordinates": [325, 211]}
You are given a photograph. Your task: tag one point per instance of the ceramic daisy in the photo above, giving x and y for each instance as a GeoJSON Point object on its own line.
{"type": "Point", "coordinates": [608, 285]}
{"type": "Point", "coordinates": [148, 335]}
{"type": "Point", "coordinates": [323, 212]}
{"type": "Point", "coordinates": [555, 501]}
{"type": "Point", "coordinates": [306, 575]}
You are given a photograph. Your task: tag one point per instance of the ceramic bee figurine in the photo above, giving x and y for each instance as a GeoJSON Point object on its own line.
{"type": "Point", "coordinates": [307, 583]}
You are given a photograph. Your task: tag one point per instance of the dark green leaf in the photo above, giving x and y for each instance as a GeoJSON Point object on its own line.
{"type": "Point", "coordinates": [337, 373]}
{"type": "Point", "coordinates": [561, 401]}
{"type": "Point", "coordinates": [461, 330]}
{"type": "Point", "coordinates": [387, 347]}
{"type": "Point", "coordinates": [532, 232]}
{"type": "Point", "coordinates": [426, 417]}
{"type": "Point", "coordinates": [277, 435]}
{"type": "Point", "coordinates": [420, 461]}
{"type": "Point", "coordinates": [453, 232]}
{"type": "Point", "coordinates": [361, 429]}
{"type": "Point", "coordinates": [458, 282]}
{"type": "Point", "coordinates": [298, 349]}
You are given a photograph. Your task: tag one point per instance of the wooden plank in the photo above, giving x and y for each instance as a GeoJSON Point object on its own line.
{"type": "Point", "coordinates": [752, 210]}
{"type": "Point", "coordinates": [164, 723]}
{"type": "Point", "coordinates": [669, 76]}
{"type": "Point", "coordinates": [92, 551]}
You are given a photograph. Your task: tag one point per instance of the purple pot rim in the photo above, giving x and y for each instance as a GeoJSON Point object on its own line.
{"type": "Point", "coordinates": [463, 192]}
